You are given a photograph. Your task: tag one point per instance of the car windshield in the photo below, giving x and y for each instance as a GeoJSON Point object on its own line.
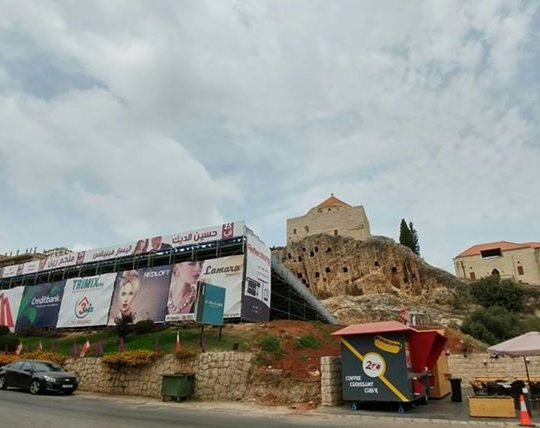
{"type": "Point", "coordinates": [42, 366]}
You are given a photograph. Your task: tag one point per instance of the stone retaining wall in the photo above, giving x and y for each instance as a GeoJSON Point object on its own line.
{"type": "Point", "coordinates": [331, 392]}
{"type": "Point", "coordinates": [479, 365]}
{"type": "Point", "coordinates": [218, 376]}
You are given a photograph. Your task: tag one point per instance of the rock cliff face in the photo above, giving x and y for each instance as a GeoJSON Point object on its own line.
{"type": "Point", "coordinates": [372, 279]}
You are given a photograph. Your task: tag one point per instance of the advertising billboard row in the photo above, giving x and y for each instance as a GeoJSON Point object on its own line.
{"type": "Point", "coordinates": [142, 246]}
{"type": "Point", "coordinates": [165, 293]}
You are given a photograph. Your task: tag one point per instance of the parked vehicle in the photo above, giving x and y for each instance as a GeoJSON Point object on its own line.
{"type": "Point", "coordinates": [38, 376]}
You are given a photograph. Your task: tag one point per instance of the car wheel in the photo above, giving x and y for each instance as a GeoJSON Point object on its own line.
{"type": "Point", "coordinates": [3, 382]}
{"type": "Point", "coordinates": [35, 387]}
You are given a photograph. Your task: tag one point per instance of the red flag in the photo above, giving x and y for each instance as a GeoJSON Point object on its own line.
{"type": "Point", "coordinates": [178, 347]}
{"type": "Point", "coordinates": [405, 316]}
{"type": "Point", "coordinates": [85, 348]}
{"type": "Point", "coordinates": [19, 349]}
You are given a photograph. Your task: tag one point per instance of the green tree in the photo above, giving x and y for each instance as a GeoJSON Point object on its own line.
{"type": "Point", "coordinates": [492, 325]}
{"type": "Point", "coordinates": [405, 237]}
{"type": "Point", "coordinates": [491, 291]}
{"type": "Point", "coordinates": [408, 236]}
{"type": "Point", "coordinates": [414, 239]}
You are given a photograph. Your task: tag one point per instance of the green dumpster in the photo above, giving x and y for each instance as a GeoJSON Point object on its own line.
{"type": "Point", "coordinates": [177, 386]}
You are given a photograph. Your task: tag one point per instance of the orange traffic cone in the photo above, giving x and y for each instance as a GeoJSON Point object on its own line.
{"type": "Point", "coordinates": [524, 418]}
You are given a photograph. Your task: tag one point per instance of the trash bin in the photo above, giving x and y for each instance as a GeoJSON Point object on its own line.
{"type": "Point", "coordinates": [177, 386]}
{"type": "Point", "coordinates": [455, 384]}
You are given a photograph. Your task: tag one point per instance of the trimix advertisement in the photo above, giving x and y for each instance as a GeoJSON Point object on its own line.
{"type": "Point", "coordinates": [86, 301]}
{"type": "Point", "coordinates": [373, 368]}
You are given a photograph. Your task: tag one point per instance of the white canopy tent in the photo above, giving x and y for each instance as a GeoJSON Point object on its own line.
{"type": "Point", "coordinates": [526, 345]}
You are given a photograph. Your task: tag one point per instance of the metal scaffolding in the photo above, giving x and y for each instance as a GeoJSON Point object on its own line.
{"type": "Point", "coordinates": [290, 298]}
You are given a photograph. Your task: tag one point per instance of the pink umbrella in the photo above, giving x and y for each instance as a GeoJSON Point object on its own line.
{"type": "Point", "coordinates": [526, 345]}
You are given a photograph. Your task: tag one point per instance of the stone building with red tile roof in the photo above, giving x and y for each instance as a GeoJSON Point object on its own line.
{"type": "Point", "coordinates": [332, 217]}
{"type": "Point", "coordinates": [508, 260]}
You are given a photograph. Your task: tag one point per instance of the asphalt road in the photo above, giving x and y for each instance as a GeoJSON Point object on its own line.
{"type": "Point", "coordinates": [22, 410]}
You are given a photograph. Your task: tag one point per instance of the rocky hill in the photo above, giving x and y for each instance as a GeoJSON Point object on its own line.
{"type": "Point", "coordinates": [373, 279]}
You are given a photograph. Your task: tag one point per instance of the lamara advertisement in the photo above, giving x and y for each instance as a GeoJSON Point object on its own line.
{"type": "Point", "coordinates": [225, 272]}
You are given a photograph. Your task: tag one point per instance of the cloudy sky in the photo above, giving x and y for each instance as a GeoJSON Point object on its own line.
{"type": "Point", "coordinates": [133, 118]}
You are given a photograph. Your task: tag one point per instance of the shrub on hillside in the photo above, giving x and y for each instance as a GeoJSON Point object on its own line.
{"type": "Point", "coordinates": [7, 358]}
{"type": "Point", "coordinates": [460, 298]}
{"type": "Point", "coordinates": [186, 353]}
{"type": "Point", "coordinates": [36, 355]}
{"type": "Point", "coordinates": [492, 325]}
{"type": "Point", "coordinates": [4, 329]}
{"type": "Point", "coordinates": [130, 359]}
{"type": "Point", "coordinates": [490, 292]}
{"type": "Point", "coordinates": [144, 326]}
{"type": "Point", "coordinates": [124, 324]}
{"type": "Point", "coordinates": [271, 344]}
{"type": "Point", "coordinates": [44, 355]}
{"type": "Point", "coordinates": [9, 343]}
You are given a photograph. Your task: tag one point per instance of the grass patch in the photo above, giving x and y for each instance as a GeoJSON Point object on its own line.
{"type": "Point", "coordinates": [307, 341]}
{"type": "Point", "coordinates": [167, 341]}
{"type": "Point", "coordinates": [272, 344]}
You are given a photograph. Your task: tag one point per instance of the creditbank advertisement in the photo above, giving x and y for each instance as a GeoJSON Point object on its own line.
{"type": "Point", "coordinates": [86, 301]}
{"type": "Point", "coordinates": [40, 305]}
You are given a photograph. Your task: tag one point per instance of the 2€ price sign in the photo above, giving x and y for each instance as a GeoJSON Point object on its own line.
{"type": "Point", "coordinates": [373, 364]}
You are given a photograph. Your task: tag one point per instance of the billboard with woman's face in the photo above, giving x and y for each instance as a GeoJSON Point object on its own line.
{"type": "Point", "coordinates": [226, 272]}
{"type": "Point", "coordinates": [86, 301]}
{"type": "Point", "coordinates": [141, 292]}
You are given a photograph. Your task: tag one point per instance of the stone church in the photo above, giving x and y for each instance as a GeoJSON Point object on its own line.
{"type": "Point", "coordinates": [332, 217]}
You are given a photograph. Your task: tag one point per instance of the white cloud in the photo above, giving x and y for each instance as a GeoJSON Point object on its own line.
{"type": "Point", "coordinates": [259, 110]}
{"type": "Point", "coordinates": [85, 147]}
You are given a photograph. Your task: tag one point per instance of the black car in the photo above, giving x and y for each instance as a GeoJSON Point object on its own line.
{"type": "Point", "coordinates": [38, 376]}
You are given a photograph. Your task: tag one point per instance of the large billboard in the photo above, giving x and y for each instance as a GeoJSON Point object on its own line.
{"type": "Point", "coordinates": [257, 289]}
{"type": "Point", "coordinates": [225, 272]}
{"type": "Point", "coordinates": [10, 301]}
{"type": "Point", "coordinates": [70, 259]}
{"type": "Point", "coordinates": [86, 301]}
{"type": "Point", "coordinates": [40, 305]}
{"type": "Point", "coordinates": [32, 267]}
{"type": "Point", "coordinates": [142, 293]}
{"type": "Point", "coordinates": [9, 271]}
{"type": "Point", "coordinates": [141, 246]}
